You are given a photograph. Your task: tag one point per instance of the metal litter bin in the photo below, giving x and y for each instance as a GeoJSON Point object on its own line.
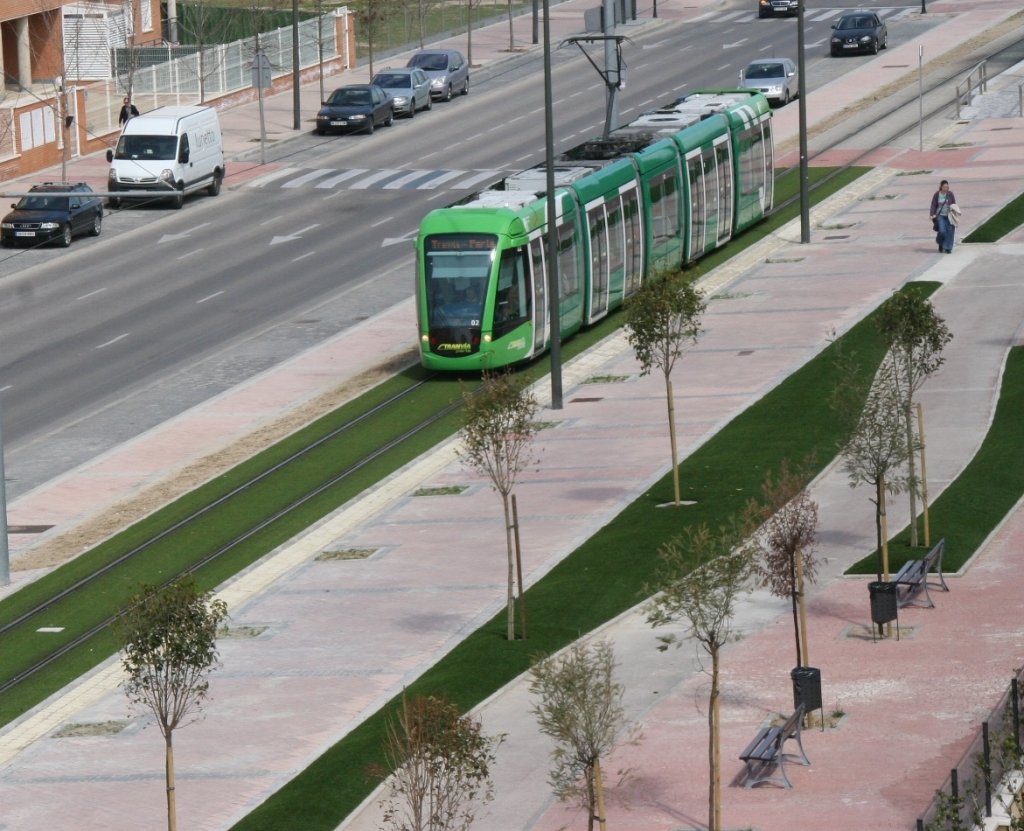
{"type": "Point", "coordinates": [806, 688]}
{"type": "Point", "coordinates": [884, 602]}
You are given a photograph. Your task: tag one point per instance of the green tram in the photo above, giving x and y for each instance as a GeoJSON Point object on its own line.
{"type": "Point", "coordinates": [662, 191]}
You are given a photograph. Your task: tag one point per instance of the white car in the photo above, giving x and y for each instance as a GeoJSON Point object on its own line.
{"type": "Point", "coordinates": [775, 78]}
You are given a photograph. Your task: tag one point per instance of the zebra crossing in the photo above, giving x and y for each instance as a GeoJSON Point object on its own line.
{"type": "Point", "coordinates": [888, 14]}
{"type": "Point", "coordinates": [327, 178]}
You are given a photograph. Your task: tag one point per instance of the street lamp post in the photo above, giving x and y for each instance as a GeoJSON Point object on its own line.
{"type": "Point", "coordinates": [805, 209]}
{"type": "Point", "coordinates": [554, 310]}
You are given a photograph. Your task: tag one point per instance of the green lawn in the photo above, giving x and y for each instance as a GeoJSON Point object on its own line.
{"type": "Point", "coordinates": [1010, 218]}
{"type": "Point", "coordinates": [972, 505]}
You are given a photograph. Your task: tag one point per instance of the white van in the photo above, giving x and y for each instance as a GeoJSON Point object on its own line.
{"type": "Point", "coordinates": [169, 151]}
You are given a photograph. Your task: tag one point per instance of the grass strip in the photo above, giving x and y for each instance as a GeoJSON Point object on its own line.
{"type": "Point", "coordinates": [1008, 219]}
{"type": "Point", "coordinates": [986, 490]}
{"type": "Point", "coordinates": [602, 578]}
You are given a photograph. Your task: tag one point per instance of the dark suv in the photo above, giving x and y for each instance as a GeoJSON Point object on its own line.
{"type": "Point", "coordinates": [53, 212]}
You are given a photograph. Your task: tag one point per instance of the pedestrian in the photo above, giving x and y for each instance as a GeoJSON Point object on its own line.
{"type": "Point", "coordinates": [942, 201]}
{"type": "Point", "coordinates": [128, 110]}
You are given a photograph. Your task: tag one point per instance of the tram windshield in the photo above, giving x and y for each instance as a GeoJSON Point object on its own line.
{"type": "Point", "coordinates": [458, 268]}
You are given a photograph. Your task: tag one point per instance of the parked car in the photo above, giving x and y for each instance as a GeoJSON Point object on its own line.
{"type": "Point", "coordinates": [356, 108]}
{"type": "Point", "coordinates": [775, 78]}
{"type": "Point", "coordinates": [409, 89]}
{"type": "Point", "coordinates": [447, 69]}
{"type": "Point", "coordinates": [777, 8]}
{"type": "Point", "coordinates": [861, 31]}
{"type": "Point", "coordinates": [53, 212]}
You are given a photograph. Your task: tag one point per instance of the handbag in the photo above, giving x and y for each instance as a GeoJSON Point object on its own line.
{"type": "Point", "coordinates": [935, 224]}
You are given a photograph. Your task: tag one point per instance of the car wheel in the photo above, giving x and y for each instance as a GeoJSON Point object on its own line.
{"type": "Point", "coordinates": [874, 47]}
{"type": "Point", "coordinates": [369, 128]}
{"type": "Point", "coordinates": [320, 132]}
{"type": "Point", "coordinates": [412, 109]}
{"type": "Point", "coordinates": [65, 235]}
{"type": "Point", "coordinates": [785, 98]}
{"type": "Point", "coordinates": [97, 224]}
{"type": "Point", "coordinates": [448, 93]}
{"type": "Point", "coordinates": [214, 188]}
{"type": "Point", "coordinates": [430, 103]}
{"type": "Point", "coordinates": [465, 89]}
{"type": "Point", "coordinates": [885, 42]}
{"type": "Point", "coordinates": [390, 119]}
{"type": "Point", "coordinates": [179, 199]}
{"type": "Point", "coordinates": [115, 202]}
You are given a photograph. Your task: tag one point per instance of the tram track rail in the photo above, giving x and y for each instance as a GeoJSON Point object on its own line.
{"type": "Point", "coordinates": [40, 627]}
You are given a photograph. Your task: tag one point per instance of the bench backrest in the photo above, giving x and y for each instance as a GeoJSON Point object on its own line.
{"type": "Point", "coordinates": [934, 557]}
{"type": "Point", "coordinates": [793, 723]}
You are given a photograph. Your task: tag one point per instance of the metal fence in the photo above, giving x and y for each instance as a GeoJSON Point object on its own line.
{"type": "Point", "coordinates": [158, 75]}
{"type": "Point", "coordinates": [971, 792]}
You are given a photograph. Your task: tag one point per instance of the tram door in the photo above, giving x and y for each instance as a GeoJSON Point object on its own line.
{"type": "Point", "coordinates": [539, 281]}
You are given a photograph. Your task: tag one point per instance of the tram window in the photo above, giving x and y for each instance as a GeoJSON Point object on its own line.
{"type": "Point", "coordinates": [724, 190]}
{"type": "Point", "coordinates": [664, 208]}
{"type": "Point", "coordinates": [752, 161]}
{"type": "Point", "coordinates": [769, 164]}
{"type": "Point", "coordinates": [634, 239]}
{"type": "Point", "coordinates": [616, 243]}
{"type": "Point", "coordinates": [598, 254]}
{"type": "Point", "coordinates": [512, 300]}
{"type": "Point", "coordinates": [696, 173]}
{"type": "Point", "coordinates": [458, 268]}
{"type": "Point", "coordinates": [713, 216]}
{"type": "Point", "coordinates": [568, 273]}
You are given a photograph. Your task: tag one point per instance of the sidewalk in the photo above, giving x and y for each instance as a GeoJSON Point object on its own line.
{"type": "Point", "coordinates": [333, 640]}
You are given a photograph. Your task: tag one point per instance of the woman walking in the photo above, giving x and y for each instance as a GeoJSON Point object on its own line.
{"type": "Point", "coordinates": [942, 201]}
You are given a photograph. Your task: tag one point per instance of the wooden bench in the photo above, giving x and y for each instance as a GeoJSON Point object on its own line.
{"type": "Point", "coordinates": [765, 752]}
{"type": "Point", "coordinates": [913, 577]}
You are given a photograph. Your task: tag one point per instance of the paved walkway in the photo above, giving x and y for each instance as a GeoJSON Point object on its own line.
{"type": "Point", "coordinates": [332, 640]}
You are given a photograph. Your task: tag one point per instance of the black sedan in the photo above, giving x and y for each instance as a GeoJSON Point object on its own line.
{"type": "Point", "coordinates": [861, 31]}
{"type": "Point", "coordinates": [357, 108]}
{"type": "Point", "coordinates": [53, 212]}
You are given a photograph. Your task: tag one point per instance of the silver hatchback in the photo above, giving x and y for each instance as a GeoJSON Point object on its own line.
{"type": "Point", "coordinates": [775, 78]}
{"type": "Point", "coordinates": [447, 69]}
{"type": "Point", "coordinates": [408, 88]}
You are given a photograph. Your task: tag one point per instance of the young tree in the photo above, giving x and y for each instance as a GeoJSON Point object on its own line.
{"type": "Point", "coordinates": [916, 336]}
{"type": "Point", "coordinates": [169, 638]}
{"type": "Point", "coordinates": [700, 578]}
{"type": "Point", "coordinates": [784, 535]}
{"type": "Point", "coordinates": [876, 448]}
{"type": "Point", "coordinates": [497, 441]}
{"type": "Point", "coordinates": [662, 320]}
{"type": "Point", "coordinates": [580, 707]}
{"type": "Point", "coordinates": [441, 762]}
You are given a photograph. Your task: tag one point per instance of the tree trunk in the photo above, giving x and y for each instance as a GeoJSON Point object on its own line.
{"type": "Point", "coordinates": [804, 647]}
{"type": "Point", "coordinates": [912, 490]}
{"type": "Point", "coordinates": [599, 793]}
{"type": "Point", "coordinates": [714, 750]}
{"type": "Point", "coordinates": [172, 812]}
{"type": "Point", "coordinates": [511, 30]}
{"type": "Point", "coordinates": [591, 797]}
{"type": "Point", "coordinates": [884, 528]}
{"type": "Point", "coordinates": [672, 437]}
{"type": "Point", "coordinates": [879, 507]}
{"type": "Point", "coordinates": [510, 629]}
{"type": "Point", "coordinates": [924, 477]}
{"type": "Point", "coordinates": [795, 598]}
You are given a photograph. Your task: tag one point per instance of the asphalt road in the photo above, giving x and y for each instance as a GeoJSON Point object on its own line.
{"type": "Point", "coordinates": [100, 342]}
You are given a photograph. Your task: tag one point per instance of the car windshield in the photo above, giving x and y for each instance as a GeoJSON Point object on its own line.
{"type": "Point", "coordinates": [432, 61]}
{"type": "Point", "coordinates": [43, 203]}
{"type": "Point", "coordinates": [393, 79]}
{"type": "Point", "coordinates": [354, 97]}
{"type": "Point", "coordinates": [855, 23]}
{"type": "Point", "coordinates": [146, 147]}
{"type": "Point", "coordinates": [765, 70]}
